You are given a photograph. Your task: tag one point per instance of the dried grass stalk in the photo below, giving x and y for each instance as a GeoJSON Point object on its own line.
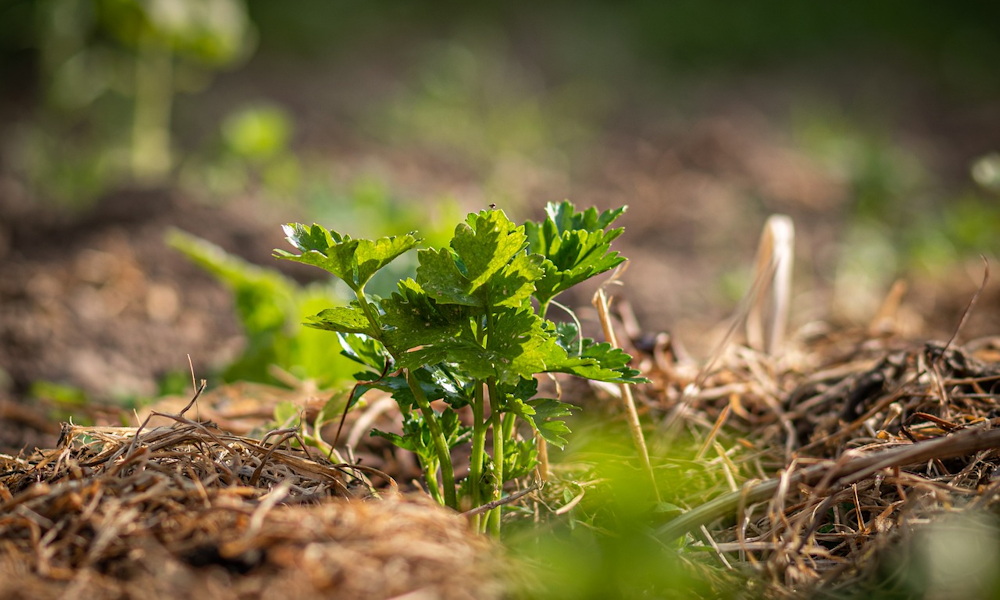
{"type": "Point", "coordinates": [767, 317]}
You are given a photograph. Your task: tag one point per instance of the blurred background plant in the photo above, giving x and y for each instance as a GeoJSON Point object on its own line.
{"type": "Point", "coordinates": [108, 73]}
{"type": "Point", "coordinates": [272, 309]}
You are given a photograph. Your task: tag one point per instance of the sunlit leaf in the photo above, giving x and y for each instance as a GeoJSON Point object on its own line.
{"type": "Point", "coordinates": [353, 261]}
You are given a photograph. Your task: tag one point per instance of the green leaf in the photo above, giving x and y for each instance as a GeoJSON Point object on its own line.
{"type": "Point", "coordinates": [548, 419]}
{"type": "Point", "coordinates": [515, 283]}
{"type": "Point", "coordinates": [342, 319]}
{"type": "Point", "coordinates": [413, 319]}
{"type": "Point", "coordinates": [520, 459]}
{"type": "Point", "coordinates": [417, 436]}
{"type": "Point", "coordinates": [487, 244]}
{"type": "Point", "coordinates": [518, 347]}
{"type": "Point", "coordinates": [543, 415]}
{"type": "Point", "coordinates": [485, 267]}
{"type": "Point", "coordinates": [586, 358]}
{"type": "Point", "coordinates": [455, 433]}
{"type": "Point", "coordinates": [430, 382]}
{"type": "Point", "coordinates": [353, 261]}
{"type": "Point", "coordinates": [364, 350]}
{"type": "Point", "coordinates": [523, 388]}
{"type": "Point", "coordinates": [565, 217]}
{"type": "Point", "coordinates": [466, 355]}
{"type": "Point", "coordinates": [400, 441]}
{"type": "Point", "coordinates": [600, 362]}
{"type": "Point", "coordinates": [439, 274]}
{"type": "Point", "coordinates": [576, 246]}
{"type": "Point", "coordinates": [568, 336]}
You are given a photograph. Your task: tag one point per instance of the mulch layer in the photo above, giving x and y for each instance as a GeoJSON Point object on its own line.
{"type": "Point", "coordinates": [187, 510]}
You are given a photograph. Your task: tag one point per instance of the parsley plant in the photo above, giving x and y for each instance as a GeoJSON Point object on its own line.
{"type": "Point", "coordinates": [471, 330]}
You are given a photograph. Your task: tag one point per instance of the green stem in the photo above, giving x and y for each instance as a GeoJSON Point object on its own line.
{"type": "Point", "coordinates": [498, 453]}
{"type": "Point", "coordinates": [478, 450]}
{"type": "Point", "coordinates": [440, 443]}
{"type": "Point", "coordinates": [430, 476]}
{"type": "Point", "coordinates": [369, 312]}
{"type": "Point", "coordinates": [543, 308]}
{"type": "Point", "coordinates": [508, 425]}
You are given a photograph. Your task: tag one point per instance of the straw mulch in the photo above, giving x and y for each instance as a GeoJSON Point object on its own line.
{"type": "Point", "coordinates": [822, 466]}
{"type": "Point", "coordinates": [187, 510]}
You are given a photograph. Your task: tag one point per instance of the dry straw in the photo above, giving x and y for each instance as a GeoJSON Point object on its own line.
{"type": "Point", "coordinates": [831, 458]}
{"type": "Point", "coordinates": [188, 510]}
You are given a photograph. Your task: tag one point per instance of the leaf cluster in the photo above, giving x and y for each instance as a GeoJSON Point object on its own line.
{"type": "Point", "coordinates": [472, 318]}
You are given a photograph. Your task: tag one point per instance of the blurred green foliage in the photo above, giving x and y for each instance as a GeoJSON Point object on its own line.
{"type": "Point", "coordinates": [257, 133]}
{"type": "Point", "coordinates": [902, 219]}
{"type": "Point", "coordinates": [607, 545]}
{"type": "Point", "coordinates": [879, 171]}
{"type": "Point", "coordinates": [271, 309]}
{"type": "Point", "coordinates": [108, 71]}
{"type": "Point", "coordinates": [508, 91]}
{"type": "Point", "coordinates": [251, 151]}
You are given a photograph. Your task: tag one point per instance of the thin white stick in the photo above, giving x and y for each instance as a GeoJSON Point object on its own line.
{"type": "Point", "coordinates": [768, 315]}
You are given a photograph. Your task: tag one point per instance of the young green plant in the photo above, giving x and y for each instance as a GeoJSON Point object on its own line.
{"type": "Point", "coordinates": [470, 330]}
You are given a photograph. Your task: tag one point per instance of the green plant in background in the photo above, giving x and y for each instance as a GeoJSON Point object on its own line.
{"type": "Point", "coordinates": [289, 419]}
{"type": "Point", "coordinates": [111, 70]}
{"type": "Point", "coordinates": [271, 308]}
{"type": "Point", "coordinates": [252, 151]}
{"type": "Point", "coordinates": [470, 330]}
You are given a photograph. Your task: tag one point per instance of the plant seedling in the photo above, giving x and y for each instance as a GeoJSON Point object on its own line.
{"type": "Point", "coordinates": [471, 330]}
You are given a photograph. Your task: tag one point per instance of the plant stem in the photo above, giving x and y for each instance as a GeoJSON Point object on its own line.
{"type": "Point", "coordinates": [430, 476]}
{"type": "Point", "coordinates": [478, 450]}
{"type": "Point", "coordinates": [369, 312]}
{"type": "Point", "coordinates": [543, 308]}
{"type": "Point", "coordinates": [493, 519]}
{"type": "Point", "coordinates": [508, 425]}
{"type": "Point", "coordinates": [440, 443]}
